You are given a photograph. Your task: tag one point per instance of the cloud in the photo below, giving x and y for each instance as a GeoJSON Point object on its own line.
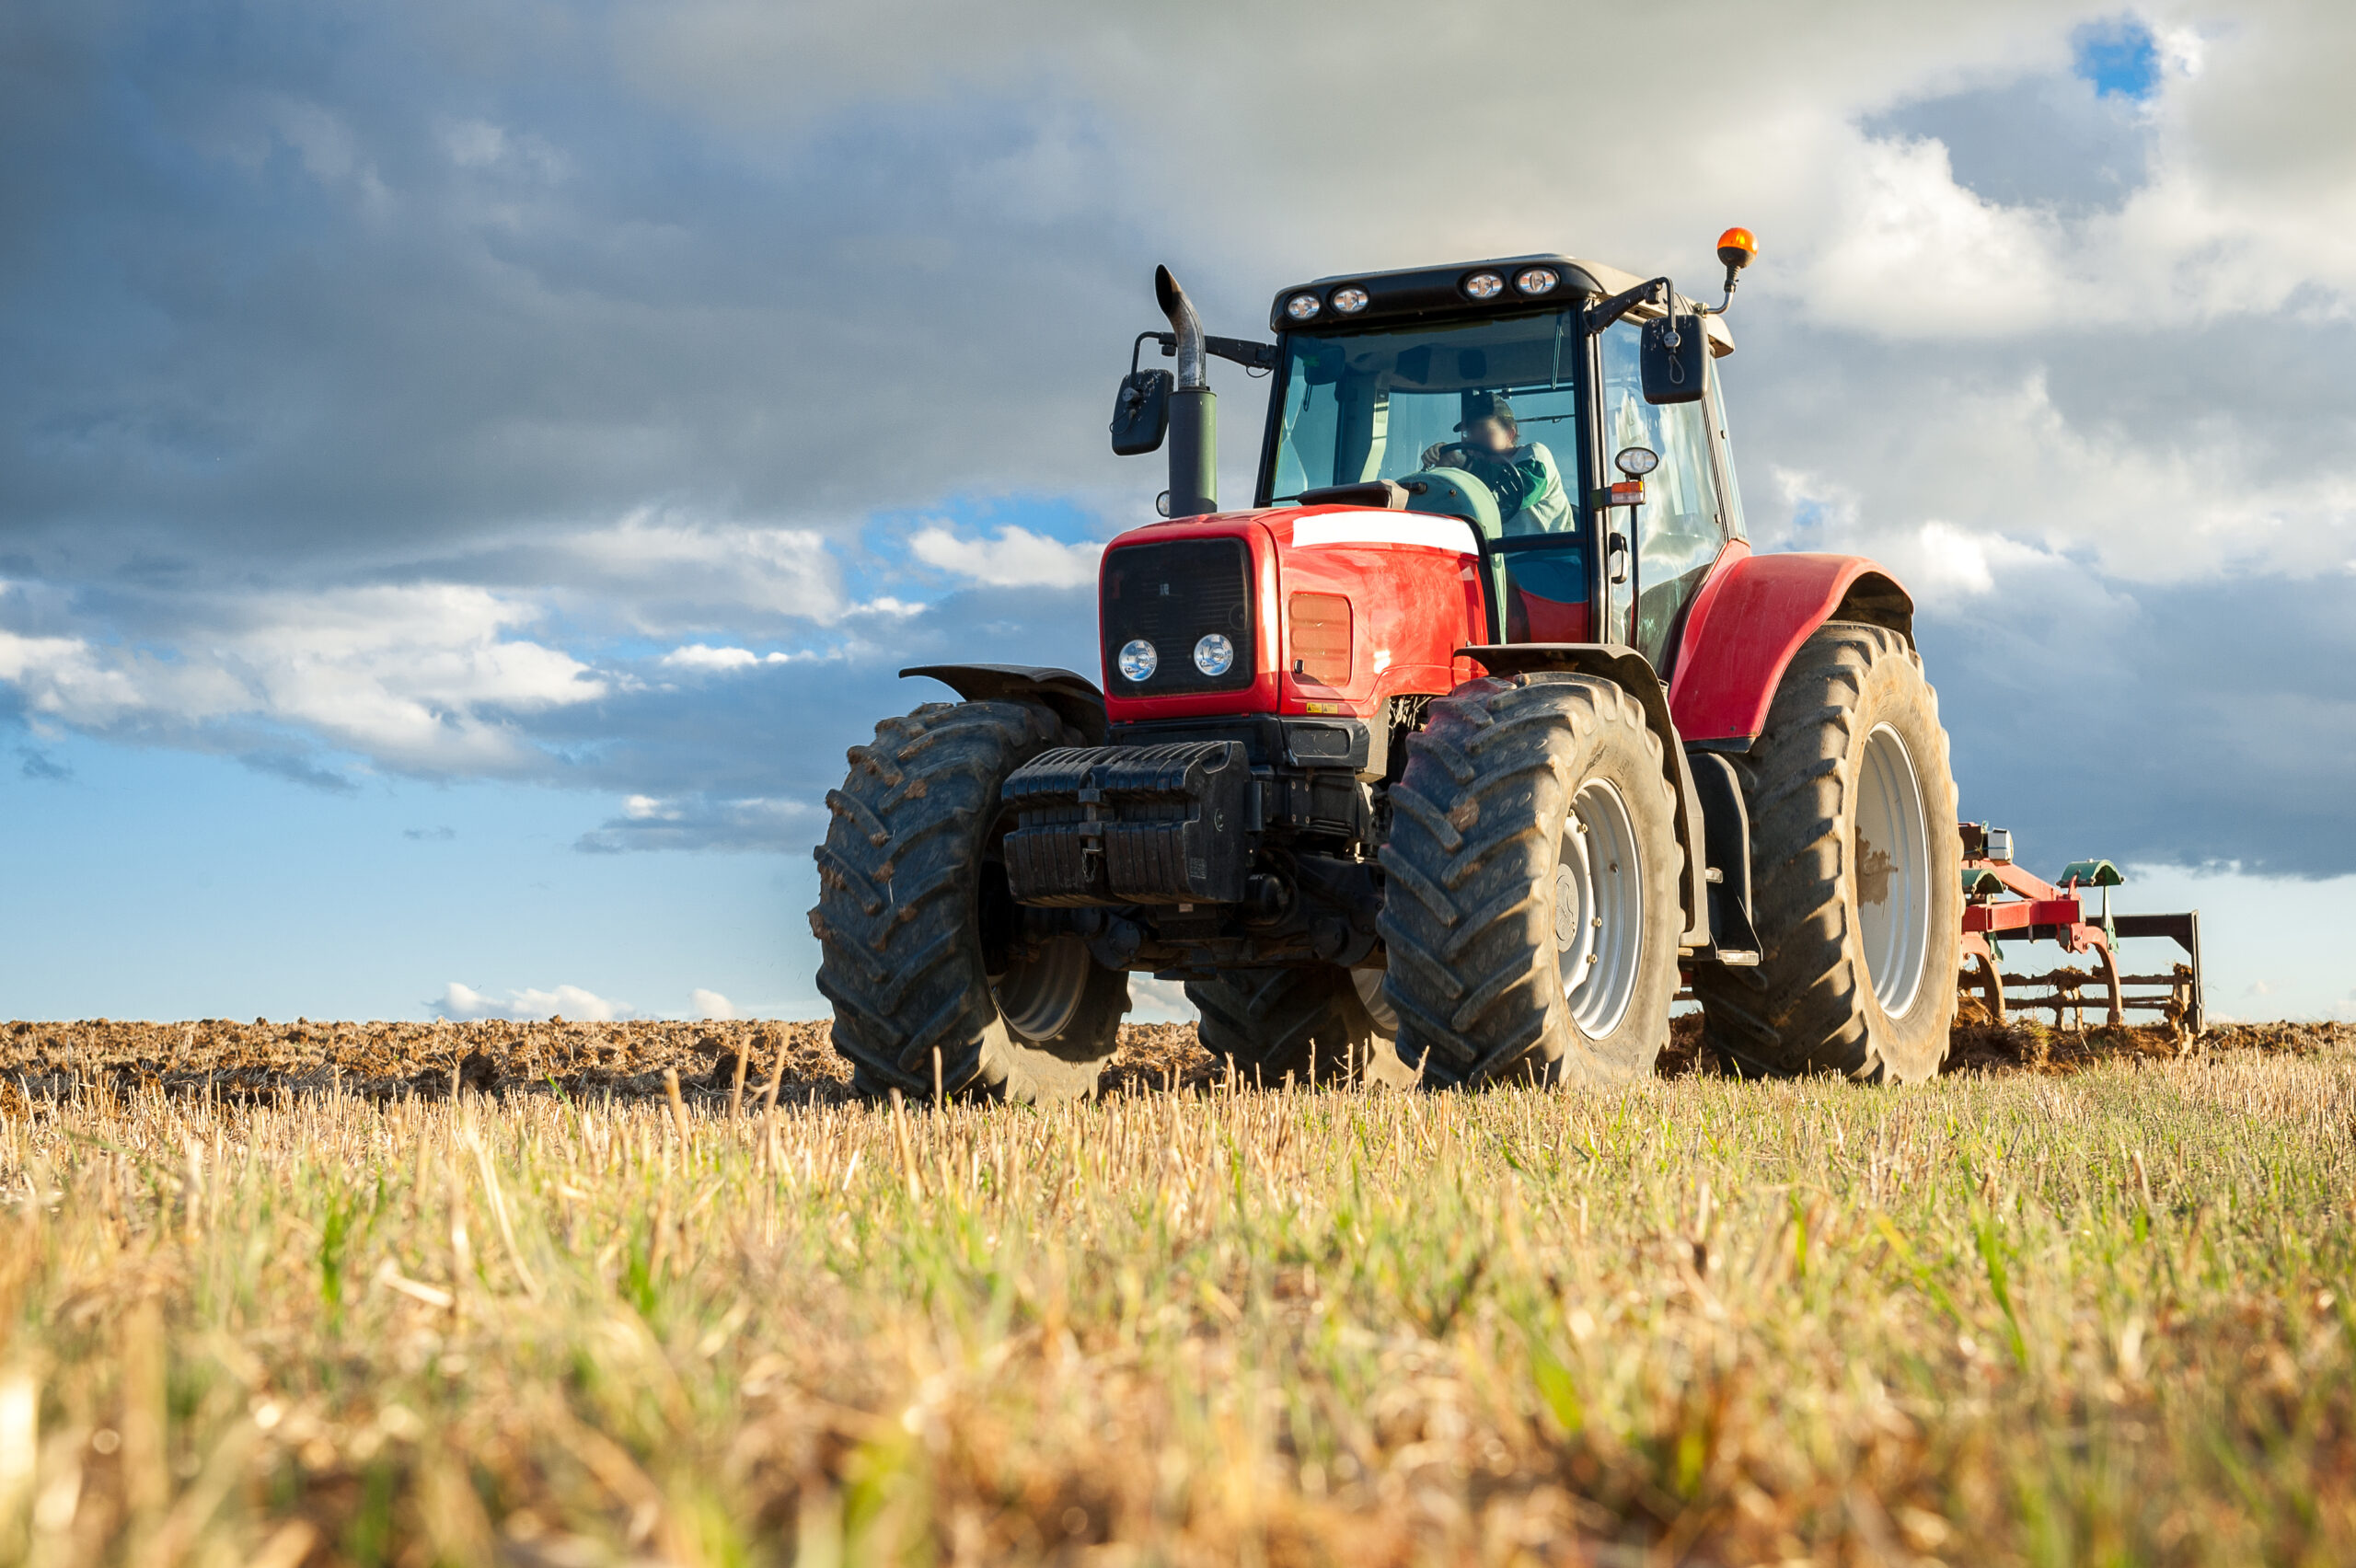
{"type": "Point", "coordinates": [1159, 1001]}
{"type": "Point", "coordinates": [696, 821]}
{"type": "Point", "coordinates": [419, 678]}
{"type": "Point", "coordinates": [40, 767]}
{"type": "Point", "coordinates": [709, 1004]}
{"type": "Point", "coordinates": [297, 769]}
{"type": "Point", "coordinates": [696, 656]}
{"type": "Point", "coordinates": [1015, 559]}
{"type": "Point", "coordinates": [458, 1001]}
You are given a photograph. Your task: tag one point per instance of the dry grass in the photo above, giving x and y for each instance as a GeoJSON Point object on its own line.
{"type": "Point", "coordinates": [2006, 1317]}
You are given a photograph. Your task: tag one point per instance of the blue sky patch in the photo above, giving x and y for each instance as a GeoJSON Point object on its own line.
{"type": "Point", "coordinates": [2119, 57]}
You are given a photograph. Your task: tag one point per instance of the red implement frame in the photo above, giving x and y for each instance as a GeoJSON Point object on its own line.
{"type": "Point", "coordinates": [2025, 907]}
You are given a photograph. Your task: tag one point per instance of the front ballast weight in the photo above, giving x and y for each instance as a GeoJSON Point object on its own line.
{"type": "Point", "coordinates": [2004, 903]}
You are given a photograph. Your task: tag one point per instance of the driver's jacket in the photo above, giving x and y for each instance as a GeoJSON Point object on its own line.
{"type": "Point", "coordinates": [1529, 487]}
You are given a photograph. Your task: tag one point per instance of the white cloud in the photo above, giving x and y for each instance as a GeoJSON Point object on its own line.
{"type": "Point", "coordinates": [1910, 253]}
{"type": "Point", "coordinates": [459, 1001]}
{"type": "Point", "coordinates": [665, 570]}
{"type": "Point", "coordinates": [1016, 558]}
{"type": "Point", "coordinates": [697, 656]}
{"type": "Point", "coordinates": [1159, 1001]}
{"type": "Point", "coordinates": [709, 1004]}
{"type": "Point", "coordinates": [412, 676]}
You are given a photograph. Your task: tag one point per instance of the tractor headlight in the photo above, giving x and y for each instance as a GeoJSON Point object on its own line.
{"type": "Point", "coordinates": [1301, 306]}
{"type": "Point", "coordinates": [1138, 661]}
{"type": "Point", "coordinates": [1484, 285]}
{"type": "Point", "coordinates": [1349, 302]}
{"type": "Point", "coordinates": [1537, 279]}
{"type": "Point", "coordinates": [1213, 655]}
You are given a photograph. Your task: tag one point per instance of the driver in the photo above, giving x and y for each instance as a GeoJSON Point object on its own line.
{"type": "Point", "coordinates": [1529, 486]}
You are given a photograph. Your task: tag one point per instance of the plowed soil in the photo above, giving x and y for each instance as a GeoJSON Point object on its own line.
{"type": "Point", "coordinates": [217, 1057]}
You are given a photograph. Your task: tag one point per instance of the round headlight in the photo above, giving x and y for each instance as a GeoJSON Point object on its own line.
{"type": "Point", "coordinates": [1484, 285]}
{"type": "Point", "coordinates": [1537, 279]}
{"type": "Point", "coordinates": [1349, 302]}
{"type": "Point", "coordinates": [1139, 660]}
{"type": "Point", "coordinates": [1301, 306]}
{"type": "Point", "coordinates": [1213, 655]}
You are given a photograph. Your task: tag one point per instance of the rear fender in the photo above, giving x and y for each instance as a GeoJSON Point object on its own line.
{"type": "Point", "coordinates": [1751, 618]}
{"type": "Point", "coordinates": [1633, 673]}
{"type": "Point", "coordinates": [1072, 698]}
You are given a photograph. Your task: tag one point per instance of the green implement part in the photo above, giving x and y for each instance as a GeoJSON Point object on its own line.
{"type": "Point", "coordinates": [1981, 882]}
{"type": "Point", "coordinates": [2090, 873]}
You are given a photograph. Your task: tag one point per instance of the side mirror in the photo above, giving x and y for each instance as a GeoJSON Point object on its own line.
{"type": "Point", "coordinates": [1141, 412]}
{"type": "Point", "coordinates": [1675, 359]}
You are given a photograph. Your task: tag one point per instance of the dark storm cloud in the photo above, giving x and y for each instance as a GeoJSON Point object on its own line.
{"type": "Point", "coordinates": [2208, 723]}
{"type": "Point", "coordinates": [324, 290]}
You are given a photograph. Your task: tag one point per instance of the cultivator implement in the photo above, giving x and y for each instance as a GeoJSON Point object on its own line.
{"type": "Point", "coordinates": [2003, 902]}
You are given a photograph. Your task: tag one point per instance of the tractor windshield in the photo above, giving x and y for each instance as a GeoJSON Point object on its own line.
{"type": "Point", "coordinates": [1385, 404]}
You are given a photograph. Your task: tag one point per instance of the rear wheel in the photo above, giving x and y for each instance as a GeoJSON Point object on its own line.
{"type": "Point", "coordinates": [924, 952]}
{"type": "Point", "coordinates": [1316, 1024]}
{"type": "Point", "coordinates": [1857, 872]}
{"type": "Point", "coordinates": [1531, 911]}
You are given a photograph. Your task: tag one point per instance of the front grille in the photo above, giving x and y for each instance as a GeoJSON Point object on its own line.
{"type": "Point", "coordinates": [1171, 595]}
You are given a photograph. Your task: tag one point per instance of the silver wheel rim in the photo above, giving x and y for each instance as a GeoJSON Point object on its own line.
{"type": "Point", "coordinates": [1892, 870]}
{"type": "Point", "coordinates": [1599, 909]}
{"type": "Point", "coordinates": [1368, 983]}
{"type": "Point", "coordinates": [1038, 997]}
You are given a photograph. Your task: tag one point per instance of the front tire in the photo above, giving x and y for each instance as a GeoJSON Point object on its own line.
{"type": "Point", "coordinates": [1857, 872]}
{"type": "Point", "coordinates": [923, 951]}
{"type": "Point", "coordinates": [1531, 912]}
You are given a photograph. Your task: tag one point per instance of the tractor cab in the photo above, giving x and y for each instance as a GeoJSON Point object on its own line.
{"type": "Point", "coordinates": [1504, 393]}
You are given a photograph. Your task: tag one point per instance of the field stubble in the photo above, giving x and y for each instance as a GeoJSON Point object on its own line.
{"type": "Point", "coordinates": [275, 1294]}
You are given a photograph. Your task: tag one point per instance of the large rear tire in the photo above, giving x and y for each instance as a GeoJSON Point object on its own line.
{"type": "Point", "coordinates": [922, 948]}
{"type": "Point", "coordinates": [1531, 912]}
{"type": "Point", "coordinates": [1319, 1024]}
{"type": "Point", "coordinates": [1857, 872]}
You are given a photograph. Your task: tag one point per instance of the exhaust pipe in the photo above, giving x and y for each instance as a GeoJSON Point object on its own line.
{"type": "Point", "coordinates": [1194, 409]}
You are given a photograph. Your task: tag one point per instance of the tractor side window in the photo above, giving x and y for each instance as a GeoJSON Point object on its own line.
{"type": "Point", "coordinates": [1731, 485]}
{"type": "Point", "coordinates": [1682, 524]}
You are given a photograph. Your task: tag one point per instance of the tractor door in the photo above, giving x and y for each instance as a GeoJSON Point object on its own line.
{"type": "Point", "coordinates": [1687, 517]}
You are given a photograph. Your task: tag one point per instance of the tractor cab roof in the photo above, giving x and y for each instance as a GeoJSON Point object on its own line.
{"type": "Point", "coordinates": [1415, 293]}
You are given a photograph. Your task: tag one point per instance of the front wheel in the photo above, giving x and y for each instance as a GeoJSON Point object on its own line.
{"type": "Point", "coordinates": [934, 978]}
{"type": "Point", "coordinates": [1531, 912]}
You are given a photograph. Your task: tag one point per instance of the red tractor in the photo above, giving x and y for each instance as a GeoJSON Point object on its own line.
{"type": "Point", "coordinates": [1476, 738]}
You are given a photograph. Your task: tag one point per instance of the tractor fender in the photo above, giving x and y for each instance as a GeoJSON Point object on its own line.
{"type": "Point", "coordinates": [1071, 697]}
{"type": "Point", "coordinates": [1633, 673]}
{"type": "Point", "coordinates": [1750, 619]}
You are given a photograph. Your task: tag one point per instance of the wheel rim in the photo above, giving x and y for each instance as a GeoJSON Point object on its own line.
{"type": "Point", "coordinates": [1599, 909]}
{"type": "Point", "coordinates": [1037, 996]}
{"type": "Point", "coordinates": [1892, 872]}
{"type": "Point", "coordinates": [1368, 983]}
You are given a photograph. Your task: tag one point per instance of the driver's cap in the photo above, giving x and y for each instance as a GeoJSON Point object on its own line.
{"type": "Point", "coordinates": [1484, 406]}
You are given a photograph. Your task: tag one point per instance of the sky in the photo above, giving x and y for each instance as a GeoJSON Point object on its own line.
{"type": "Point", "coordinates": [469, 471]}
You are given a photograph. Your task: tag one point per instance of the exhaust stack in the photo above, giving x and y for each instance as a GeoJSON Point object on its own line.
{"type": "Point", "coordinates": [1194, 409]}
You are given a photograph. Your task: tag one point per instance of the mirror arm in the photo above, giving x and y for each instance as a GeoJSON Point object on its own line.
{"type": "Point", "coordinates": [1657, 291]}
{"type": "Point", "coordinates": [1250, 355]}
